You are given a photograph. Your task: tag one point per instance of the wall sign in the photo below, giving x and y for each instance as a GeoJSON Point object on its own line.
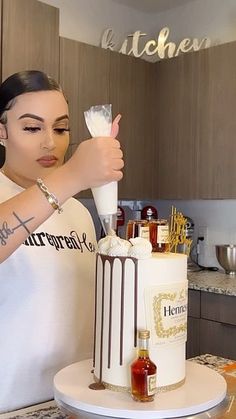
{"type": "Point", "coordinates": [160, 46]}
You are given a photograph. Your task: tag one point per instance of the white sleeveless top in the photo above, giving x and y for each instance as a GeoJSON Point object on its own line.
{"type": "Point", "coordinates": [46, 303]}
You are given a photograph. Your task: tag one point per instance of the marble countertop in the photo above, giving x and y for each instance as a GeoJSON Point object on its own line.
{"type": "Point", "coordinates": [39, 411]}
{"type": "Point", "coordinates": [51, 411]}
{"type": "Point", "coordinates": [211, 281]}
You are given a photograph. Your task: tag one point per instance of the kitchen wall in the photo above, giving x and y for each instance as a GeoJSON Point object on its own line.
{"type": "Point", "coordinates": [215, 19]}
{"type": "Point", "coordinates": [85, 20]}
{"type": "Point", "coordinates": [215, 219]}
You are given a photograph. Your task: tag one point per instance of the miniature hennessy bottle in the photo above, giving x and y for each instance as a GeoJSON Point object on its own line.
{"type": "Point", "coordinates": [143, 371]}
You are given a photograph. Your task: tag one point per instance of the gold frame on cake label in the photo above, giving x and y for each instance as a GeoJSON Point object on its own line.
{"type": "Point", "coordinates": [166, 312]}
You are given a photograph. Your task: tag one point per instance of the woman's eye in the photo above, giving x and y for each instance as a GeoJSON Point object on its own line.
{"type": "Point", "coordinates": [61, 130]}
{"type": "Point", "coordinates": [31, 129]}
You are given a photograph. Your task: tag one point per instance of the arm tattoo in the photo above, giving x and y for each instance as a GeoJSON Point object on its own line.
{"type": "Point", "coordinates": [6, 231]}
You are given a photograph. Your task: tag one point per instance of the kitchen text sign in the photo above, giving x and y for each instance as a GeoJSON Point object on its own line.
{"type": "Point", "coordinates": [160, 46]}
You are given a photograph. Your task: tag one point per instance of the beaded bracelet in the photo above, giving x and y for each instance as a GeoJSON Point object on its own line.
{"type": "Point", "coordinates": [52, 199]}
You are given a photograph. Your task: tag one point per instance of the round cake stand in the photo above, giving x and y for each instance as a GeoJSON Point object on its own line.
{"type": "Point", "coordinates": [203, 389]}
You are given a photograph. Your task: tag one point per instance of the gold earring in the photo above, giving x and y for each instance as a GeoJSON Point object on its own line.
{"type": "Point", "coordinates": [2, 142]}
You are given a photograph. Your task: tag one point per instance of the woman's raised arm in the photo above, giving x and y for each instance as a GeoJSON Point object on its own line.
{"type": "Point", "coordinates": [95, 162]}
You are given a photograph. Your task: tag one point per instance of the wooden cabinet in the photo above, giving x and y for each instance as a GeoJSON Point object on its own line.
{"type": "Point", "coordinates": [218, 307]}
{"type": "Point", "coordinates": [217, 123]}
{"type": "Point", "coordinates": [176, 128]}
{"type": "Point", "coordinates": [84, 76]}
{"type": "Point", "coordinates": [91, 76]}
{"type": "Point", "coordinates": [218, 339]}
{"type": "Point", "coordinates": [218, 325]}
{"type": "Point", "coordinates": [211, 324]}
{"type": "Point", "coordinates": [132, 93]}
{"type": "Point", "coordinates": [30, 37]}
{"type": "Point", "coordinates": [193, 342]}
{"type": "Point", "coordinates": [196, 101]}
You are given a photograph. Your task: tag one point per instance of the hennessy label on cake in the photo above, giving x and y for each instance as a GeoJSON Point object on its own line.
{"type": "Point", "coordinates": [166, 313]}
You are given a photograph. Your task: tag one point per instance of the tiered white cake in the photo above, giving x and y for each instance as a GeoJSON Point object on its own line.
{"type": "Point", "coordinates": [133, 294]}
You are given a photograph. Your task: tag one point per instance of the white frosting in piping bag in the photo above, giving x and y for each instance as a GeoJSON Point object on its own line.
{"type": "Point", "coordinates": [99, 122]}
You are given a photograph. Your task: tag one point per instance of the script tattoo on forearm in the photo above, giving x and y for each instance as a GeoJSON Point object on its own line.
{"type": "Point", "coordinates": [6, 231]}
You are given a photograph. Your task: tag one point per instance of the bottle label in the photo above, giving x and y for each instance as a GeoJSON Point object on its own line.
{"type": "Point", "coordinates": [163, 234]}
{"type": "Point", "coordinates": [151, 384]}
{"type": "Point", "coordinates": [166, 312]}
{"type": "Point", "coordinates": [144, 232]}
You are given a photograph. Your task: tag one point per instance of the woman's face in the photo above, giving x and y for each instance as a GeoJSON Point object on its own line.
{"type": "Point", "coordinates": [37, 136]}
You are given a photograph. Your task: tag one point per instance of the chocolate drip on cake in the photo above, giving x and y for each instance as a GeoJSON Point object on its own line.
{"type": "Point", "coordinates": [95, 316]}
{"type": "Point", "coordinates": [110, 259]}
{"type": "Point", "coordinates": [135, 302]}
{"type": "Point", "coordinates": [122, 293]}
{"type": "Point", "coordinates": [102, 318]}
{"type": "Point", "coordinates": [98, 385]}
{"type": "Point", "coordinates": [110, 314]}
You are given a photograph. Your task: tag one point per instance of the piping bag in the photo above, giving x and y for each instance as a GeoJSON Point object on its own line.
{"type": "Point", "coordinates": [99, 123]}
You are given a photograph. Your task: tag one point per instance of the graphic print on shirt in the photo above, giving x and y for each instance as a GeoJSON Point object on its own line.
{"type": "Point", "coordinates": [74, 241]}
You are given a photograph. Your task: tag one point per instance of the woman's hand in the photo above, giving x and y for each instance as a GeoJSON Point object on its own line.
{"type": "Point", "coordinates": [96, 162]}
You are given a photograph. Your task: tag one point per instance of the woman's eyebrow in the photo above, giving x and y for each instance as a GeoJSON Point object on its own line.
{"type": "Point", "coordinates": [30, 115]}
{"type": "Point", "coordinates": [62, 117]}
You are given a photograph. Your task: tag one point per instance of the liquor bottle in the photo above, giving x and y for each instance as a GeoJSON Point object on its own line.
{"type": "Point", "coordinates": [143, 371]}
{"type": "Point", "coordinates": [159, 235]}
{"type": "Point", "coordinates": [120, 219]}
{"type": "Point", "coordinates": [149, 213]}
{"type": "Point", "coordinates": [137, 228]}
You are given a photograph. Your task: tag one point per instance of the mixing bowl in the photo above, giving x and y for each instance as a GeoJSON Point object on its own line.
{"type": "Point", "coordinates": [226, 256]}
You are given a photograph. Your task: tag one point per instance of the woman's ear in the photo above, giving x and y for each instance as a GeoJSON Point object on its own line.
{"type": "Point", "coordinates": [3, 134]}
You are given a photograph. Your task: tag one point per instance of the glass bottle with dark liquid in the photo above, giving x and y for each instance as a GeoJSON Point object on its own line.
{"type": "Point", "coordinates": [159, 235]}
{"type": "Point", "coordinates": [143, 371]}
{"type": "Point", "coordinates": [137, 228]}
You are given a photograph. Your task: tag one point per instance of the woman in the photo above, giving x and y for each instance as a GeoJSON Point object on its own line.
{"type": "Point", "coordinates": [47, 238]}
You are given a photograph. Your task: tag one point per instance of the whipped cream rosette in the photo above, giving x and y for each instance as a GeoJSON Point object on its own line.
{"type": "Point", "coordinates": [113, 245]}
{"type": "Point", "coordinates": [140, 248]}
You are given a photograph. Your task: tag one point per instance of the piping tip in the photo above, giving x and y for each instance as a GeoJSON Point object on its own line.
{"type": "Point", "coordinates": [109, 223]}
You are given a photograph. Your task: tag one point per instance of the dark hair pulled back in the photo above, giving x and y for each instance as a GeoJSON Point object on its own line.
{"type": "Point", "coordinates": [24, 82]}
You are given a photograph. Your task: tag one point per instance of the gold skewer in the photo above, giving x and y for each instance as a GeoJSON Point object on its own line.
{"type": "Point", "coordinates": [177, 234]}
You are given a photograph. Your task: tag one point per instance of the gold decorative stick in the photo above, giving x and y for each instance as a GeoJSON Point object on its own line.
{"type": "Point", "coordinates": [178, 231]}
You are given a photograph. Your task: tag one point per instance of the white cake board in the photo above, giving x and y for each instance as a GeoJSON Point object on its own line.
{"type": "Point", "coordinates": [204, 388]}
